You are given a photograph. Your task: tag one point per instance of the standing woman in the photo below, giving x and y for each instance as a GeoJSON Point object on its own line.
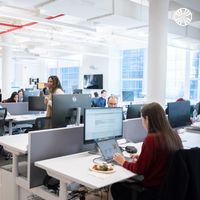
{"type": "Point", "coordinates": [158, 146]}
{"type": "Point", "coordinates": [54, 87]}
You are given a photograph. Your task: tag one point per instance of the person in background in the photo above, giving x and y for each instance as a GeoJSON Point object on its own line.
{"type": "Point", "coordinates": [54, 88]}
{"type": "Point", "coordinates": [102, 100]}
{"type": "Point", "coordinates": [158, 147]}
{"type": "Point", "coordinates": [94, 99]}
{"type": "Point", "coordinates": [112, 101]}
{"type": "Point", "coordinates": [21, 95]}
{"type": "Point", "coordinates": [13, 98]}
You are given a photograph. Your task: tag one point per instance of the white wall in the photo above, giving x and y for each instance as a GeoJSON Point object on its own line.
{"type": "Point", "coordinates": [25, 69]}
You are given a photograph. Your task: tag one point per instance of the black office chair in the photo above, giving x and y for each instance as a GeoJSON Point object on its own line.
{"type": "Point", "coordinates": [42, 123]}
{"type": "Point", "coordinates": [183, 178]}
{"type": "Point", "coordinates": [3, 113]}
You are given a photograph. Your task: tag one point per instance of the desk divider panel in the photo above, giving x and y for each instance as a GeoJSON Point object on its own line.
{"type": "Point", "coordinates": [19, 108]}
{"type": "Point", "coordinates": [51, 143]}
{"type": "Point", "coordinates": [133, 130]}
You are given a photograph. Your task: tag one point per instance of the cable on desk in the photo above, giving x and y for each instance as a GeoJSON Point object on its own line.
{"type": "Point", "coordinates": [98, 158]}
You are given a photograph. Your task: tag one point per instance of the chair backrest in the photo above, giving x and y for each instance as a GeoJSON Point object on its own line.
{"type": "Point", "coordinates": [42, 123]}
{"type": "Point", "coordinates": [3, 113]}
{"type": "Point", "coordinates": [182, 180]}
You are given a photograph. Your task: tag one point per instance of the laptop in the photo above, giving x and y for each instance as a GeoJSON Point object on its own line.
{"type": "Point", "coordinates": [108, 148]}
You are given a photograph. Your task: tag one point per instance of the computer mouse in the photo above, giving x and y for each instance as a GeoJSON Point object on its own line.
{"type": "Point", "coordinates": [131, 149]}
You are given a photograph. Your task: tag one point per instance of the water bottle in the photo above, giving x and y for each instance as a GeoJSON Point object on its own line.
{"type": "Point", "coordinates": [194, 115]}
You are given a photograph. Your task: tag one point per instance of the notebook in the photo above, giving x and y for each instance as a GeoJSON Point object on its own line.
{"type": "Point", "coordinates": [108, 148]}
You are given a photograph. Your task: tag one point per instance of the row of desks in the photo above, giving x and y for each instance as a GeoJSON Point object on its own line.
{"type": "Point", "coordinates": [21, 119]}
{"type": "Point", "coordinates": [76, 167]}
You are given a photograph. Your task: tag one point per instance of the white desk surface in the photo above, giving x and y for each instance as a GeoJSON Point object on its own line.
{"type": "Point", "coordinates": [26, 117]}
{"type": "Point", "coordinates": [16, 144]}
{"type": "Point", "coordinates": [76, 168]}
{"type": "Point", "coordinates": [190, 139]}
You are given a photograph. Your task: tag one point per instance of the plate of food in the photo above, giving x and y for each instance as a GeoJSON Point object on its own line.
{"type": "Point", "coordinates": [103, 168]}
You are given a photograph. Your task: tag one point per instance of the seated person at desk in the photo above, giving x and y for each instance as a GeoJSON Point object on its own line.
{"type": "Point", "coordinates": [54, 87]}
{"type": "Point", "coordinates": [112, 101]}
{"type": "Point", "coordinates": [13, 98]}
{"type": "Point", "coordinates": [158, 146]}
{"type": "Point", "coordinates": [20, 95]}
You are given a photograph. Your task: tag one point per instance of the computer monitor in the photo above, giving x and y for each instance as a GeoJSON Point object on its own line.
{"type": "Point", "coordinates": [28, 93]}
{"type": "Point", "coordinates": [36, 103]}
{"type": "Point", "coordinates": [77, 91]}
{"type": "Point", "coordinates": [127, 96]}
{"type": "Point", "coordinates": [179, 113]}
{"type": "Point", "coordinates": [67, 107]}
{"type": "Point", "coordinates": [133, 111]}
{"type": "Point", "coordinates": [102, 123]}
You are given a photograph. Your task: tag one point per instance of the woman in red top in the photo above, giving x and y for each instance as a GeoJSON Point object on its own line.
{"type": "Point", "coordinates": [158, 146]}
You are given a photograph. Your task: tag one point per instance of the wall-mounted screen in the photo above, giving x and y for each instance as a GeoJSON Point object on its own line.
{"type": "Point", "coordinates": [93, 81]}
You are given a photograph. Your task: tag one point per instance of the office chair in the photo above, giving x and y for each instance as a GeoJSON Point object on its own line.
{"type": "Point", "coordinates": [3, 113]}
{"type": "Point", "coordinates": [182, 180]}
{"type": "Point", "coordinates": [42, 123]}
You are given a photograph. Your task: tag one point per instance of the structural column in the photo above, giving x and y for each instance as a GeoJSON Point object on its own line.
{"type": "Point", "coordinates": [7, 66]}
{"type": "Point", "coordinates": [157, 51]}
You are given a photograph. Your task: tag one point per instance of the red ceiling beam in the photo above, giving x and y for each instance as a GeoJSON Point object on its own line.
{"type": "Point", "coordinates": [15, 27]}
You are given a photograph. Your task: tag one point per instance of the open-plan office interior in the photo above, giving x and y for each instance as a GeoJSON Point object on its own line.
{"type": "Point", "coordinates": [140, 51]}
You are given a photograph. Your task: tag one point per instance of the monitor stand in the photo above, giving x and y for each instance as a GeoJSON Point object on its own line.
{"type": "Point", "coordinates": [95, 150]}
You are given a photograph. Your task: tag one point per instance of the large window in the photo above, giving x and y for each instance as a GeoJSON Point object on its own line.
{"type": "Point", "coordinates": [195, 76]}
{"type": "Point", "coordinates": [176, 69]}
{"type": "Point", "coordinates": [68, 73]}
{"type": "Point", "coordinates": [133, 71]}
{"type": "Point", "coordinates": [183, 75]}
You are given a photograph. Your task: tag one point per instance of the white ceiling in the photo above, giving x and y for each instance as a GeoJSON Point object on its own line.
{"type": "Point", "coordinates": [79, 26]}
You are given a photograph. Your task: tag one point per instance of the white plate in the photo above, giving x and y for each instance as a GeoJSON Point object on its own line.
{"type": "Point", "coordinates": [101, 171]}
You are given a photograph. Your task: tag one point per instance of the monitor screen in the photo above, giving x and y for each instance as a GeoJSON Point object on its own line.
{"type": "Point", "coordinates": [127, 95]}
{"type": "Point", "coordinates": [93, 81]}
{"type": "Point", "coordinates": [102, 123]}
{"type": "Point", "coordinates": [77, 91]}
{"type": "Point", "coordinates": [28, 93]}
{"type": "Point", "coordinates": [36, 103]}
{"type": "Point", "coordinates": [133, 111]}
{"type": "Point", "coordinates": [179, 113]}
{"type": "Point", "coordinates": [66, 106]}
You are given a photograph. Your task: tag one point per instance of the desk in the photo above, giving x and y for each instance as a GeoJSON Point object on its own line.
{"type": "Point", "coordinates": [190, 139]}
{"type": "Point", "coordinates": [76, 168]}
{"type": "Point", "coordinates": [21, 118]}
{"type": "Point", "coordinates": [17, 145]}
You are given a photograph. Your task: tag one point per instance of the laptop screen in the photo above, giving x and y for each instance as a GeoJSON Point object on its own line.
{"type": "Point", "coordinates": [108, 148]}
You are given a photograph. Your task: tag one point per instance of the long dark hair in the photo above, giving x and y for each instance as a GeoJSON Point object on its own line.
{"type": "Point", "coordinates": [56, 83]}
{"type": "Point", "coordinates": [158, 124]}
{"type": "Point", "coordinates": [11, 99]}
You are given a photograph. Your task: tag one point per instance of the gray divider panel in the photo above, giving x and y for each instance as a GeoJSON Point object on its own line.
{"type": "Point", "coordinates": [51, 143]}
{"type": "Point", "coordinates": [16, 108]}
{"type": "Point", "coordinates": [133, 130]}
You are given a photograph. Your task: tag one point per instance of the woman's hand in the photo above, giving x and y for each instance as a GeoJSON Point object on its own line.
{"type": "Point", "coordinates": [46, 100]}
{"type": "Point", "coordinates": [134, 157]}
{"type": "Point", "coordinates": [119, 158]}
